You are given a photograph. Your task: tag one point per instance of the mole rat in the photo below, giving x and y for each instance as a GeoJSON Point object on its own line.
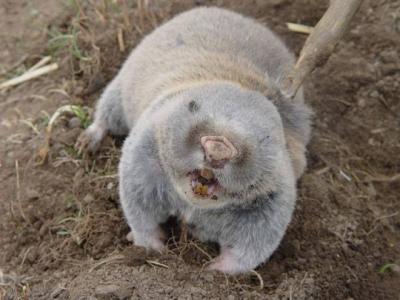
{"type": "Point", "coordinates": [205, 141]}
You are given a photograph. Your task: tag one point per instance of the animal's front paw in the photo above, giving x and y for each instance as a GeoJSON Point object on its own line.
{"type": "Point", "coordinates": [89, 141]}
{"type": "Point", "coordinates": [153, 240]}
{"type": "Point", "coordinates": [228, 263]}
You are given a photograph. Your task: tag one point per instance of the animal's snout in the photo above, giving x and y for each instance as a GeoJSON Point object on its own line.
{"type": "Point", "coordinates": [218, 150]}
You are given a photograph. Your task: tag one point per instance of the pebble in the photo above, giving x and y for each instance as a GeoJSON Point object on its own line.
{"type": "Point", "coordinates": [374, 94]}
{"type": "Point", "coordinates": [395, 269]}
{"type": "Point", "coordinates": [208, 277]}
{"type": "Point", "coordinates": [32, 255]}
{"type": "Point", "coordinates": [74, 123]}
{"type": "Point", "coordinates": [32, 194]}
{"type": "Point", "coordinates": [112, 291]}
{"type": "Point", "coordinates": [135, 257]}
{"type": "Point", "coordinates": [389, 56]}
{"type": "Point", "coordinates": [361, 102]}
{"type": "Point", "coordinates": [69, 137]}
{"type": "Point", "coordinates": [88, 198]}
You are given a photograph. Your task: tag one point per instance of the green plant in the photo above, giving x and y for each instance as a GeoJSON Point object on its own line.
{"type": "Point", "coordinates": [59, 41]}
{"type": "Point", "coordinates": [82, 115]}
{"type": "Point", "coordinates": [389, 266]}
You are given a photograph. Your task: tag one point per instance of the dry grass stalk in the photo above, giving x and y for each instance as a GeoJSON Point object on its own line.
{"type": "Point", "coordinates": [18, 192]}
{"type": "Point", "coordinates": [300, 28]}
{"type": "Point", "coordinates": [29, 76]}
{"type": "Point", "coordinates": [12, 67]}
{"type": "Point", "coordinates": [156, 264]}
{"type": "Point", "coordinates": [40, 63]}
{"type": "Point", "coordinates": [107, 261]}
{"type": "Point", "coordinates": [194, 244]}
{"type": "Point", "coordinates": [259, 279]}
{"type": "Point", "coordinates": [44, 150]}
{"type": "Point", "coordinates": [383, 178]}
{"type": "Point", "coordinates": [120, 37]}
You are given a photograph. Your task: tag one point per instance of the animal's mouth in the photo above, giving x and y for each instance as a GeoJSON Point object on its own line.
{"type": "Point", "coordinates": [204, 183]}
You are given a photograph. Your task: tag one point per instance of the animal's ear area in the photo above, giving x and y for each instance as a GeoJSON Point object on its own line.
{"type": "Point", "coordinates": [296, 150]}
{"type": "Point", "coordinates": [272, 90]}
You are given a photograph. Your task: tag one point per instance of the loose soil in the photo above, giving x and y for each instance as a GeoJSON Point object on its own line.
{"type": "Point", "coordinates": [62, 233]}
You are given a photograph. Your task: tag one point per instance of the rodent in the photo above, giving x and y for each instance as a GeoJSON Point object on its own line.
{"type": "Point", "coordinates": [204, 141]}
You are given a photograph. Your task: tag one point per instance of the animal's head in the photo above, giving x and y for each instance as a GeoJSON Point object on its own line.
{"type": "Point", "coordinates": [221, 143]}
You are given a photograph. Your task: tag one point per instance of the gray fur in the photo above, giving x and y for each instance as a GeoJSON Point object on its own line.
{"type": "Point", "coordinates": [206, 72]}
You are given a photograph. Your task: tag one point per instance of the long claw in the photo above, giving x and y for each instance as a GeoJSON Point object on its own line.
{"type": "Point", "coordinates": [89, 141]}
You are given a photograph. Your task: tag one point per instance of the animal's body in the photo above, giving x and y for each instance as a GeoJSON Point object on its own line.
{"type": "Point", "coordinates": [192, 100]}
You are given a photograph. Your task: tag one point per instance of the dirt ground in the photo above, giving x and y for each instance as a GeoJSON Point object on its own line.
{"type": "Point", "coordinates": [62, 234]}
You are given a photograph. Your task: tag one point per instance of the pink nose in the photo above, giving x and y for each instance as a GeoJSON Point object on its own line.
{"type": "Point", "coordinates": [218, 149]}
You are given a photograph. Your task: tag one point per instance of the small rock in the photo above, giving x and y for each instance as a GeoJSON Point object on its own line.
{"type": "Point", "coordinates": [32, 194]}
{"type": "Point", "coordinates": [208, 277]}
{"type": "Point", "coordinates": [32, 255]}
{"type": "Point", "coordinates": [346, 250]}
{"type": "Point", "coordinates": [110, 185]}
{"type": "Point", "coordinates": [389, 56]}
{"type": "Point", "coordinates": [395, 269]}
{"type": "Point", "coordinates": [390, 69]}
{"type": "Point", "coordinates": [376, 254]}
{"type": "Point", "coordinates": [180, 276]}
{"type": "Point", "coordinates": [106, 290]}
{"type": "Point", "coordinates": [231, 297]}
{"type": "Point", "coordinates": [69, 137]}
{"type": "Point", "coordinates": [37, 224]}
{"type": "Point", "coordinates": [361, 102]}
{"type": "Point", "coordinates": [44, 229]}
{"type": "Point", "coordinates": [371, 142]}
{"type": "Point", "coordinates": [78, 90]}
{"type": "Point", "coordinates": [129, 237]}
{"type": "Point", "coordinates": [112, 291]}
{"type": "Point", "coordinates": [88, 198]}
{"type": "Point", "coordinates": [374, 94]}
{"type": "Point", "coordinates": [135, 256]}
{"type": "Point", "coordinates": [74, 122]}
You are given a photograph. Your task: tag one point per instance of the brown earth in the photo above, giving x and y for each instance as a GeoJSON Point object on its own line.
{"type": "Point", "coordinates": [62, 234]}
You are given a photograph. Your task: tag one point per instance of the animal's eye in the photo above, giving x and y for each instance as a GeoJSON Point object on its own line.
{"type": "Point", "coordinates": [193, 106]}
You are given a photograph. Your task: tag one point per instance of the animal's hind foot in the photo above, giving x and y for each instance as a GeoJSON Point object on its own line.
{"type": "Point", "coordinates": [90, 140]}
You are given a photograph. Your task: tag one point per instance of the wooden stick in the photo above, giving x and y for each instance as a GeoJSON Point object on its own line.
{"type": "Point", "coordinates": [29, 75]}
{"type": "Point", "coordinates": [320, 44]}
